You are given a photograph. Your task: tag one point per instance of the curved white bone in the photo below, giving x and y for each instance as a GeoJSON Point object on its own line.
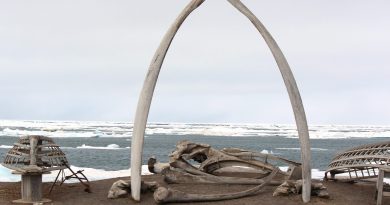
{"type": "Point", "coordinates": [146, 96]}
{"type": "Point", "coordinates": [293, 92]}
{"type": "Point", "coordinates": [151, 80]}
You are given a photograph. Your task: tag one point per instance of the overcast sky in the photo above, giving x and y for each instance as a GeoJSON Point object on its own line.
{"type": "Point", "coordinates": [86, 60]}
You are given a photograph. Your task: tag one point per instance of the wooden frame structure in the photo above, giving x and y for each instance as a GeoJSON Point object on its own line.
{"type": "Point", "coordinates": [146, 96]}
{"type": "Point", "coordinates": [34, 155]}
{"type": "Point", "coordinates": [35, 151]}
{"type": "Point", "coordinates": [79, 175]}
{"type": "Point", "coordinates": [360, 162]}
{"type": "Point", "coordinates": [31, 156]}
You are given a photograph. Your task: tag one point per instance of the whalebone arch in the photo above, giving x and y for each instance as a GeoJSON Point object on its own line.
{"type": "Point", "coordinates": [146, 96]}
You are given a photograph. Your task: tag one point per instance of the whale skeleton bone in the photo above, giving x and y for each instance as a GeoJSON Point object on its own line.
{"type": "Point", "coordinates": [236, 161]}
{"type": "Point", "coordinates": [245, 154]}
{"type": "Point", "coordinates": [180, 170]}
{"type": "Point", "coordinates": [211, 159]}
{"type": "Point", "coordinates": [179, 177]}
{"type": "Point", "coordinates": [166, 195]}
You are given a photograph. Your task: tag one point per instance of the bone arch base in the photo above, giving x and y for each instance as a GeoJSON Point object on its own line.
{"type": "Point", "coordinates": [146, 96]}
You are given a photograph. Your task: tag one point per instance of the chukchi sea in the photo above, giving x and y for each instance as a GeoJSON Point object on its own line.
{"type": "Point", "coordinates": [102, 149]}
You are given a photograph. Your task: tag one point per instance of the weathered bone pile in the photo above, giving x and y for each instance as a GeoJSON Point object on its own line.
{"type": "Point", "coordinates": [122, 188]}
{"type": "Point", "coordinates": [196, 163]}
{"type": "Point", "coordinates": [295, 187]}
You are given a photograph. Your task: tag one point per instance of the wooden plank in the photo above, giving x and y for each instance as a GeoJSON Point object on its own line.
{"type": "Point", "coordinates": [382, 157]}
{"type": "Point", "coordinates": [379, 187]}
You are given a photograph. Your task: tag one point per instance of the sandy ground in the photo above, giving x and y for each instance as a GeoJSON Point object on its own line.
{"type": "Point", "coordinates": [73, 194]}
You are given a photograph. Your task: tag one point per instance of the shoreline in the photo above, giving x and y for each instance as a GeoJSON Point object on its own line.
{"type": "Point", "coordinates": [361, 193]}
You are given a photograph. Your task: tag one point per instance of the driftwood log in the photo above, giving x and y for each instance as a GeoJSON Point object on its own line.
{"type": "Point", "coordinates": [146, 96]}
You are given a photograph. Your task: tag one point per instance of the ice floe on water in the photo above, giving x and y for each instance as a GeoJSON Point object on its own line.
{"type": "Point", "coordinates": [92, 174]}
{"type": "Point", "coordinates": [83, 146]}
{"type": "Point", "coordinates": [296, 148]}
{"type": "Point", "coordinates": [266, 152]}
{"type": "Point", "coordinates": [100, 174]}
{"type": "Point", "coordinates": [315, 173]}
{"type": "Point", "coordinates": [59, 133]}
{"type": "Point", "coordinates": [110, 147]}
{"type": "Point", "coordinates": [65, 129]}
{"type": "Point", "coordinates": [121, 129]}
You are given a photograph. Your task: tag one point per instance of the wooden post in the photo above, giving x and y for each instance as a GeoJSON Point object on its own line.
{"type": "Point", "coordinates": [31, 188]}
{"type": "Point", "coordinates": [383, 173]}
{"type": "Point", "coordinates": [379, 187]}
{"type": "Point", "coordinates": [33, 150]}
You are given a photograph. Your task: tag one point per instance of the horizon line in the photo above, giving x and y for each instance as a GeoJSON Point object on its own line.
{"type": "Point", "coordinates": [205, 123]}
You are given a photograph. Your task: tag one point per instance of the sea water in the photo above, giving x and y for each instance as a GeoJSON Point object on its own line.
{"type": "Point", "coordinates": [103, 148]}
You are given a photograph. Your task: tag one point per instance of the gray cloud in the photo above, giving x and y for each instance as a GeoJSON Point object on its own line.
{"type": "Point", "coordinates": [86, 60]}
